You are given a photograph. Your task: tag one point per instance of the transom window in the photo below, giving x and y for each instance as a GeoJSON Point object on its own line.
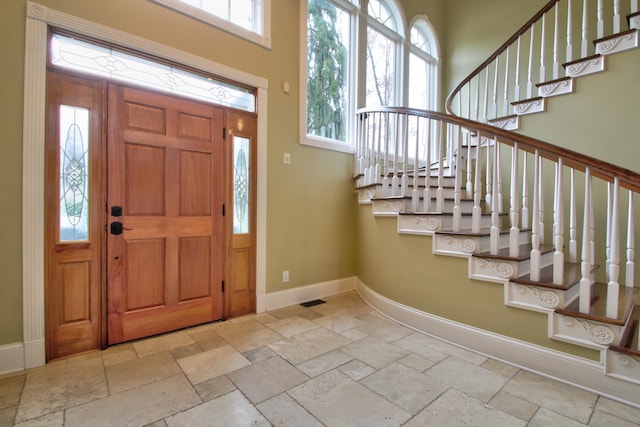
{"type": "Point", "coordinates": [71, 53]}
{"type": "Point", "coordinates": [249, 19]}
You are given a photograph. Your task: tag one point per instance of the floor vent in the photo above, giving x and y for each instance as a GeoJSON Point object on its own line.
{"type": "Point", "coordinates": [312, 303]}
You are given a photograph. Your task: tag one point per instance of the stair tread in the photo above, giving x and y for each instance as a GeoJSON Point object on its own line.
{"type": "Point", "coordinates": [420, 198]}
{"type": "Point", "coordinates": [485, 232]}
{"type": "Point", "coordinates": [572, 276]}
{"type": "Point", "coordinates": [629, 340]}
{"type": "Point", "coordinates": [598, 307]}
{"type": "Point", "coordinates": [524, 253]}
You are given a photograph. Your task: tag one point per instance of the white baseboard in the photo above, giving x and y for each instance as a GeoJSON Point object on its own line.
{"type": "Point", "coordinates": [302, 294]}
{"type": "Point", "coordinates": [11, 358]}
{"type": "Point", "coordinates": [579, 372]}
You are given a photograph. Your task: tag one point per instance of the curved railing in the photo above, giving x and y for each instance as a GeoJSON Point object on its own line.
{"type": "Point", "coordinates": [532, 62]}
{"type": "Point", "coordinates": [409, 153]}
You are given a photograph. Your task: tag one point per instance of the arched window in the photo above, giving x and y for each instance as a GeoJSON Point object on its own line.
{"type": "Point", "coordinates": [423, 65]}
{"type": "Point", "coordinates": [385, 33]}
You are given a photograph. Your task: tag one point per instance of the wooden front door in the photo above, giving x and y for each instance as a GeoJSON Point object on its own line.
{"type": "Point", "coordinates": [166, 240]}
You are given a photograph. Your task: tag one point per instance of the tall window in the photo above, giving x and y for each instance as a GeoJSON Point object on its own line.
{"type": "Point", "coordinates": [423, 66]}
{"type": "Point", "coordinates": [384, 41]}
{"type": "Point", "coordinates": [246, 18]}
{"type": "Point", "coordinates": [329, 27]}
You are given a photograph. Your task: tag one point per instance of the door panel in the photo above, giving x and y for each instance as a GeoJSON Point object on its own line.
{"type": "Point", "coordinates": [73, 215]}
{"type": "Point", "coordinates": [166, 171]}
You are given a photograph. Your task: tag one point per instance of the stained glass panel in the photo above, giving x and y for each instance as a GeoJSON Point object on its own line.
{"type": "Point", "coordinates": [79, 55]}
{"type": "Point", "coordinates": [74, 173]}
{"type": "Point", "coordinates": [241, 157]}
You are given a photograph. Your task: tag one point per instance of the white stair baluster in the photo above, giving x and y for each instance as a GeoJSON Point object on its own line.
{"type": "Point", "coordinates": [556, 42]}
{"type": "Point", "coordinates": [600, 26]}
{"type": "Point", "coordinates": [494, 234]}
{"type": "Point", "coordinates": [405, 155]}
{"type": "Point", "coordinates": [525, 193]}
{"type": "Point", "coordinates": [396, 150]}
{"type": "Point", "coordinates": [514, 232]}
{"type": "Point", "coordinates": [617, 17]}
{"type": "Point", "coordinates": [486, 94]}
{"type": "Point", "coordinates": [630, 267]}
{"type": "Point", "coordinates": [477, 100]}
{"type": "Point", "coordinates": [584, 51]}
{"type": "Point", "coordinates": [477, 189]}
{"type": "Point", "coordinates": [468, 188]}
{"type": "Point", "coordinates": [516, 89]}
{"type": "Point", "coordinates": [558, 255]}
{"type": "Point", "coordinates": [457, 213]}
{"type": "Point", "coordinates": [585, 267]}
{"type": "Point", "coordinates": [385, 168]}
{"type": "Point", "coordinates": [540, 217]}
{"type": "Point", "coordinates": [495, 88]}
{"type": "Point", "coordinates": [534, 274]}
{"type": "Point", "coordinates": [543, 36]}
{"type": "Point", "coordinates": [607, 250]}
{"type": "Point", "coordinates": [530, 68]}
{"type": "Point", "coordinates": [569, 53]}
{"type": "Point", "coordinates": [634, 6]}
{"type": "Point", "coordinates": [426, 198]}
{"type": "Point", "coordinates": [442, 141]}
{"type": "Point", "coordinates": [415, 195]}
{"type": "Point", "coordinates": [505, 106]}
{"type": "Point", "coordinates": [613, 287]}
{"type": "Point", "coordinates": [573, 232]}
{"type": "Point", "coordinates": [377, 169]}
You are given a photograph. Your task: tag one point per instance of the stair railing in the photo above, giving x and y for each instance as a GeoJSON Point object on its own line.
{"type": "Point", "coordinates": [541, 54]}
{"type": "Point", "coordinates": [401, 152]}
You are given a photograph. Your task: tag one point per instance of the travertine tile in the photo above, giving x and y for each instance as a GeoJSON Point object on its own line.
{"type": "Point", "coordinates": [259, 354]}
{"type": "Point", "coordinates": [266, 379]}
{"type": "Point", "coordinates": [295, 310]}
{"type": "Point", "coordinates": [308, 345]}
{"type": "Point", "coordinates": [339, 322]}
{"type": "Point", "coordinates": [208, 339]}
{"type": "Point", "coordinates": [282, 410]}
{"type": "Point", "coordinates": [10, 390]}
{"type": "Point", "coordinates": [619, 410]}
{"type": "Point", "coordinates": [162, 343]}
{"type": "Point", "coordinates": [545, 418]}
{"type": "Point", "coordinates": [422, 345]}
{"type": "Point", "coordinates": [50, 420]}
{"type": "Point", "coordinates": [7, 415]}
{"type": "Point", "coordinates": [123, 354]}
{"type": "Point", "coordinates": [416, 362]}
{"type": "Point", "coordinates": [291, 326]}
{"type": "Point", "coordinates": [383, 328]}
{"type": "Point", "coordinates": [500, 368]}
{"type": "Point", "coordinates": [232, 409]}
{"type": "Point", "coordinates": [213, 363]}
{"type": "Point", "coordinates": [468, 378]}
{"type": "Point", "coordinates": [323, 363]}
{"type": "Point", "coordinates": [247, 335]}
{"type": "Point", "coordinates": [603, 419]}
{"type": "Point", "coordinates": [134, 373]}
{"type": "Point", "coordinates": [136, 407]}
{"type": "Point", "coordinates": [63, 386]}
{"type": "Point", "coordinates": [337, 400]}
{"type": "Point", "coordinates": [214, 388]}
{"type": "Point", "coordinates": [408, 389]}
{"type": "Point", "coordinates": [454, 408]}
{"type": "Point", "coordinates": [562, 398]}
{"type": "Point", "coordinates": [186, 351]}
{"type": "Point", "coordinates": [374, 352]}
{"type": "Point", "coordinates": [356, 370]}
{"type": "Point", "coordinates": [514, 405]}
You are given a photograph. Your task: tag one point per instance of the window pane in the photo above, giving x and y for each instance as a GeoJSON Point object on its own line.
{"type": "Point", "coordinates": [240, 12]}
{"type": "Point", "coordinates": [98, 60]}
{"type": "Point", "coordinates": [327, 70]}
{"type": "Point", "coordinates": [74, 173]}
{"type": "Point", "coordinates": [381, 60]}
{"type": "Point", "coordinates": [418, 79]}
{"type": "Point", "coordinates": [241, 160]}
{"type": "Point", "coordinates": [382, 14]}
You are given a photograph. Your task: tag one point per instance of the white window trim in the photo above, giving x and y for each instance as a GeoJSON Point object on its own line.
{"type": "Point", "coordinates": [263, 39]}
{"type": "Point", "coordinates": [317, 141]}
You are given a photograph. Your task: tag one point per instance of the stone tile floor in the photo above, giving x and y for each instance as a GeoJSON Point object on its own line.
{"type": "Point", "coordinates": [334, 364]}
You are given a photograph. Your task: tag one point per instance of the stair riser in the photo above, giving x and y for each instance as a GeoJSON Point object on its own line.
{"type": "Point", "coordinates": [623, 366]}
{"type": "Point", "coordinates": [463, 246]}
{"type": "Point", "coordinates": [448, 192]}
{"type": "Point", "coordinates": [365, 195]}
{"type": "Point", "coordinates": [393, 207]}
{"type": "Point", "coordinates": [588, 333]}
{"type": "Point", "coordinates": [428, 224]}
{"type": "Point", "coordinates": [494, 270]}
{"type": "Point", "coordinates": [538, 298]}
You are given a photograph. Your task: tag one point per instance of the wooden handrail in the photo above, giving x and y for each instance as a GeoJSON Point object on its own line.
{"type": "Point", "coordinates": [599, 168]}
{"type": "Point", "coordinates": [498, 52]}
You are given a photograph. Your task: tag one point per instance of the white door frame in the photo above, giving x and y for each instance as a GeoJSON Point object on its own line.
{"type": "Point", "coordinates": [31, 352]}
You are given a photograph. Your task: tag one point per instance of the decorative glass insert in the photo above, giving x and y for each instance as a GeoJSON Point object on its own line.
{"type": "Point", "coordinates": [241, 160]}
{"type": "Point", "coordinates": [74, 173]}
{"type": "Point", "coordinates": [328, 35]}
{"type": "Point", "coordinates": [381, 13]}
{"type": "Point", "coordinates": [80, 55]}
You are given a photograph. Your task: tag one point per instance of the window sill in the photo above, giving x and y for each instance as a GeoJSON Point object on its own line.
{"type": "Point", "coordinates": [327, 144]}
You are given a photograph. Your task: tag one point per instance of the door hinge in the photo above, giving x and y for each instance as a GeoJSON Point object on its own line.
{"type": "Point", "coordinates": [223, 286]}
{"type": "Point", "coordinates": [224, 133]}
{"type": "Point", "coordinates": [224, 211]}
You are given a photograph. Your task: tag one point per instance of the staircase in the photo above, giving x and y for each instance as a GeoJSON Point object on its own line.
{"type": "Point", "coordinates": [548, 224]}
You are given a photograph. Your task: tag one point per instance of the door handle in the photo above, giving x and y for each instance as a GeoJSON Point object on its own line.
{"type": "Point", "coordinates": [117, 228]}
